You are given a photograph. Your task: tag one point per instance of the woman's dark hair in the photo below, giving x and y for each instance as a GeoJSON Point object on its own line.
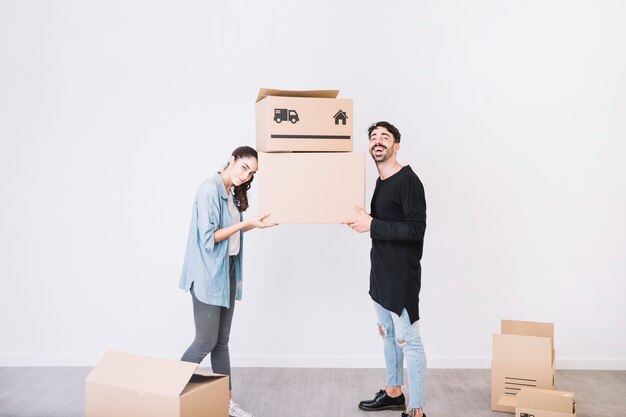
{"type": "Point", "coordinates": [241, 191]}
{"type": "Point", "coordinates": [391, 128]}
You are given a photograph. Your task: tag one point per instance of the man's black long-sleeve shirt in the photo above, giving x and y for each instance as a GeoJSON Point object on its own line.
{"type": "Point", "coordinates": [399, 220]}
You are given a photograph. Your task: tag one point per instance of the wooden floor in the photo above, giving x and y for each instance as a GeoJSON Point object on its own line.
{"type": "Point", "coordinates": [290, 392]}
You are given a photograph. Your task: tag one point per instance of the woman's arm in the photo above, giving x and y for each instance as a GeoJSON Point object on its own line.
{"type": "Point", "coordinates": [249, 224]}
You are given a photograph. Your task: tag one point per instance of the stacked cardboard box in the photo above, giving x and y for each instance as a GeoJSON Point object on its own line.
{"type": "Point", "coordinates": [307, 170]}
{"type": "Point", "coordinates": [523, 356]}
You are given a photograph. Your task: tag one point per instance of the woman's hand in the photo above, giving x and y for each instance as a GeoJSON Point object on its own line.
{"type": "Point", "coordinates": [259, 222]}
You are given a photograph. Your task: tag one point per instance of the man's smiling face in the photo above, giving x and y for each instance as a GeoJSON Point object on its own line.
{"type": "Point", "coordinates": [382, 144]}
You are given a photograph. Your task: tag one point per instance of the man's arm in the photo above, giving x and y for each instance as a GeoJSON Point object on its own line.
{"type": "Point", "coordinates": [411, 229]}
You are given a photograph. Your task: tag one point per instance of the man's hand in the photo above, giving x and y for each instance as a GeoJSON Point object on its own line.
{"type": "Point", "coordinates": [361, 223]}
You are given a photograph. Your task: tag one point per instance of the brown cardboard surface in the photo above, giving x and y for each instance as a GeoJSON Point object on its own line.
{"type": "Point", "coordinates": [124, 384]}
{"type": "Point", "coordinates": [303, 121]}
{"type": "Point", "coordinates": [311, 187]}
{"type": "Point", "coordinates": [194, 397]}
{"type": "Point", "coordinates": [507, 401]}
{"type": "Point", "coordinates": [507, 380]}
{"type": "Point", "coordinates": [142, 373]}
{"type": "Point", "coordinates": [529, 351]}
{"type": "Point", "coordinates": [104, 400]}
{"type": "Point", "coordinates": [528, 328]}
{"type": "Point", "coordinates": [529, 412]}
{"type": "Point", "coordinates": [523, 356]}
{"type": "Point", "coordinates": [267, 92]}
{"type": "Point", "coordinates": [537, 400]}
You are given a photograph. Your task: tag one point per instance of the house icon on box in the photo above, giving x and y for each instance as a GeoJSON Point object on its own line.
{"type": "Point", "coordinates": [340, 118]}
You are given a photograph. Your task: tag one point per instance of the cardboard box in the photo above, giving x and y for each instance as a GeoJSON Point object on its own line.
{"type": "Point", "coordinates": [311, 187]}
{"type": "Point", "coordinates": [523, 356]}
{"type": "Point", "coordinates": [303, 121]}
{"type": "Point", "coordinates": [127, 385]}
{"type": "Point", "coordinates": [535, 402]}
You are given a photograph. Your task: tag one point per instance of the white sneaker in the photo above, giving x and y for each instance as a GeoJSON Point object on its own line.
{"type": "Point", "coordinates": [234, 410]}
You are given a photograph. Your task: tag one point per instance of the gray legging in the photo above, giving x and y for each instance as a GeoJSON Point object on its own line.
{"type": "Point", "coordinates": [213, 331]}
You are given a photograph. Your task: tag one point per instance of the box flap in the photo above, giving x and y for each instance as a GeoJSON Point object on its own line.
{"type": "Point", "coordinates": [208, 373]}
{"type": "Point", "coordinates": [266, 92]}
{"type": "Point", "coordinates": [200, 380]}
{"type": "Point", "coordinates": [143, 373]}
{"type": "Point", "coordinates": [528, 328]}
{"type": "Point", "coordinates": [547, 400]}
{"type": "Point", "coordinates": [507, 400]}
{"type": "Point", "coordinates": [522, 351]}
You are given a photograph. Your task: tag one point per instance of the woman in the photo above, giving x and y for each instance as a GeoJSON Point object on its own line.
{"type": "Point", "coordinates": [212, 269]}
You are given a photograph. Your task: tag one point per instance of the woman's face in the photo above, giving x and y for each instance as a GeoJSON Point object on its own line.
{"type": "Point", "coordinates": [242, 169]}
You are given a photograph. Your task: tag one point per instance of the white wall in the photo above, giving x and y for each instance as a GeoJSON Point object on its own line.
{"type": "Point", "coordinates": [112, 113]}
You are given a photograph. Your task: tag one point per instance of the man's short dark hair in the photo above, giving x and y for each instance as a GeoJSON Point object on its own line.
{"type": "Point", "coordinates": [391, 128]}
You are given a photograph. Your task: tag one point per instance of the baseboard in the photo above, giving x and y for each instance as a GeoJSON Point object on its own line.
{"type": "Point", "coordinates": [49, 360]}
{"type": "Point", "coordinates": [433, 362]}
{"type": "Point", "coordinates": [615, 364]}
{"type": "Point", "coordinates": [603, 364]}
{"type": "Point", "coordinates": [349, 362]}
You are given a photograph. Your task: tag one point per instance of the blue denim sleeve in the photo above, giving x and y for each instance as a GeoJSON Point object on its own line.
{"type": "Point", "coordinates": [208, 210]}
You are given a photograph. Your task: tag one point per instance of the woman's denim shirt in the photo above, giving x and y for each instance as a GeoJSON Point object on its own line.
{"type": "Point", "coordinates": [206, 262]}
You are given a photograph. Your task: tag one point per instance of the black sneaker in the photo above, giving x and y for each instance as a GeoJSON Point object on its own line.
{"type": "Point", "coordinates": [407, 415]}
{"type": "Point", "coordinates": [382, 401]}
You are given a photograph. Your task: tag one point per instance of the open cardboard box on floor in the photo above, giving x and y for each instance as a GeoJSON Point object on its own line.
{"type": "Point", "coordinates": [535, 402]}
{"type": "Point", "coordinates": [128, 385]}
{"type": "Point", "coordinates": [523, 356]}
{"type": "Point", "coordinates": [311, 187]}
{"type": "Point", "coordinates": [303, 121]}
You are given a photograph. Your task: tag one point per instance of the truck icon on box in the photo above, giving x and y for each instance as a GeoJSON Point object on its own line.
{"type": "Point", "coordinates": [285, 114]}
{"type": "Point", "coordinates": [303, 121]}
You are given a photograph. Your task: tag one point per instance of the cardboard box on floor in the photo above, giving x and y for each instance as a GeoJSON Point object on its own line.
{"type": "Point", "coordinates": [523, 356]}
{"type": "Point", "coordinates": [128, 385]}
{"type": "Point", "coordinates": [311, 187]}
{"type": "Point", "coordinates": [303, 121]}
{"type": "Point", "coordinates": [536, 402]}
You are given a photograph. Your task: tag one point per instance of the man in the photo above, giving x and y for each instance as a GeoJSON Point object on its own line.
{"type": "Point", "coordinates": [396, 226]}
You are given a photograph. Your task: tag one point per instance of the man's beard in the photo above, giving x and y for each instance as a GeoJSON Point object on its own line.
{"type": "Point", "coordinates": [383, 156]}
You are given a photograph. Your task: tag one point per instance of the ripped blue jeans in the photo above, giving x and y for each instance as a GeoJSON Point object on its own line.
{"type": "Point", "coordinates": [401, 339]}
